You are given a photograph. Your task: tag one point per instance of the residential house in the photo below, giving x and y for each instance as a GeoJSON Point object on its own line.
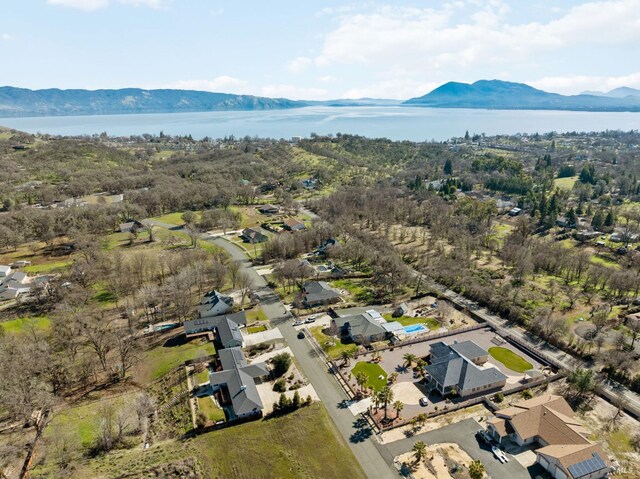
{"type": "Point", "coordinates": [515, 211]}
{"type": "Point", "coordinates": [460, 368]}
{"type": "Point", "coordinates": [309, 183]}
{"type": "Point", "coordinates": [361, 328]}
{"type": "Point", "coordinates": [268, 209]}
{"type": "Point", "coordinates": [13, 283]}
{"type": "Point", "coordinates": [566, 451]}
{"type": "Point", "coordinates": [254, 235]}
{"type": "Point", "coordinates": [235, 382]}
{"type": "Point", "coordinates": [130, 226]}
{"type": "Point", "coordinates": [326, 246]}
{"type": "Point", "coordinates": [214, 304]}
{"type": "Point", "coordinates": [317, 293]}
{"type": "Point", "coordinates": [4, 270]}
{"type": "Point", "coordinates": [227, 328]}
{"type": "Point", "coordinates": [586, 235]}
{"type": "Point", "coordinates": [293, 224]}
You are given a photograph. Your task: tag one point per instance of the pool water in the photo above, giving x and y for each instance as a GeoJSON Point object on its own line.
{"type": "Point", "coordinates": [414, 328]}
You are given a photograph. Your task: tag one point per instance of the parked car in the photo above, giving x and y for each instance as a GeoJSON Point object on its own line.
{"type": "Point", "coordinates": [298, 322]}
{"type": "Point", "coordinates": [300, 334]}
{"type": "Point", "coordinates": [484, 436]}
{"type": "Point", "coordinates": [499, 454]}
{"type": "Point", "coordinates": [424, 401]}
{"type": "Point", "coordinates": [310, 319]}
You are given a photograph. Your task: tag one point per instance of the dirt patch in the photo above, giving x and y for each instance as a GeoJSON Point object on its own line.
{"type": "Point", "coordinates": [443, 461]}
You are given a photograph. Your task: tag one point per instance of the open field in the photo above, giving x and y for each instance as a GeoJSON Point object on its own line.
{"type": "Point", "coordinates": [25, 325]}
{"type": "Point", "coordinates": [208, 407]}
{"type": "Point", "coordinates": [565, 183]}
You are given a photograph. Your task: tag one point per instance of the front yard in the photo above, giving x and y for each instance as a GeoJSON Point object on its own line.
{"type": "Point", "coordinates": [377, 377]}
{"type": "Point", "coordinates": [332, 346]}
{"type": "Point", "coordinates": [510, 359]}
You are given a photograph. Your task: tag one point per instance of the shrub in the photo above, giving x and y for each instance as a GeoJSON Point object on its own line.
{"type": "Point", "coordinates": [280, 386]}
{"type": "Point", "coordinates": [526, 394]}
{"type": "Point", "coordinates": [281, 364]}
{"type": "Point", "coordinates": [499, 398]}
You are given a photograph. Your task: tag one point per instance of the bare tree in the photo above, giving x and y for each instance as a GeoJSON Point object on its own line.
{"type": "Point", "coordinates": [245, 284]}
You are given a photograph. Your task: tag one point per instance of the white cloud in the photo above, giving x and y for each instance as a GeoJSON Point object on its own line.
{"type": "Point", "coordinates": [299, 64]}
{"type": "Point", "coordinates": [6, 37]}
{"type": "Point", "coordinates": [293, 92]}
{"type": "Point", "coordinates": [571, 85]}
{"type": "Point", "coordinates": [439, 40]}
{"type": "Point", "coordinates": [90, 5]}
{"type": "Point", "coordinates": [220, 84]}
{"type": "Point", "coordinates": [327, 79]}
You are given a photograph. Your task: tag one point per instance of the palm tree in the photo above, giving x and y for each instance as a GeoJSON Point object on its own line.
{"type": "Point", "coordinates": [421, 420]}
{"type": "Point", "coordinates": [398, 406]}
{"type": "Point", "coordinates": [419, 451]}
{"type": "Point", "coordinates": [386, 396]}
{"type": "Point", "coordinates": [346, 356]}
{"type": "Point", "coordinates": [393, 377]}
{"type": "Point", "coordinates": [476, 470]}
{"type": "Point", "coordinates": [420, 364]}
{"type": "Point", "coordinates": [361, 379]}
{"type": "Point", "coordinates": [409, 359]}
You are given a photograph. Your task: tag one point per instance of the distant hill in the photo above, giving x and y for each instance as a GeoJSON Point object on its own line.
{"type": "Point", "coordinates": [501, 95]}
{"type": "Point", "coordinates": [621, 92]}
{"type": "Point", "coordinates": [54, 102]}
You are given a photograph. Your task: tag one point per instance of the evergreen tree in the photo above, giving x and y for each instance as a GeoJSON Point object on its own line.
{"type": "Point", "coordinates": [466, 135]}
{"type": "Point", "coordinates": [610, 220]}
{"type": "Point", "coordinates": [448, 167]}
{"type": "Point", "coordinates": [597, 221]}
{"type": "Point", "coordinates": [572, 219]}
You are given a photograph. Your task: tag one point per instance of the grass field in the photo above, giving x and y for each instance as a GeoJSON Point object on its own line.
{"type": "Point", "coordinates": [431, 323]}
{"type": "Point", "coordinates": [24, 325]}
{"type": "Point", "coordinates": [256, 329]}
{"type": "Point", "coordinates": [209, 408]}
{"type": "Point", "coordinates": [160, 360]}
{"type": "Point", "coordinates": [356, 289]}
{"type": "Point", "coordinates": [201, 377]}
{"type": "Point", "coordinates": [510, 359]}
{"type": "Point", "coordinates": [173, 218]}
{"type": "Point", "coordinates": [565, 183]}
{"type": "Point", "coordinates": [332, 346]}
{"type": "Point", "coordinates": [286, 447]}
{"type": "Point", "coordinates": [47, 267]}
{"type": "Point", "coordinates": [373, 371]}
{"type": "Point", "coordinates": [256, 315]}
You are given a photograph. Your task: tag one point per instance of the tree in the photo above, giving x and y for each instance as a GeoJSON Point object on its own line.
{"type": "Point", "coordinates": [476, 470]}
{"type": "Point", "coordinates": [281, 363]}
{"type": "Point", "coordinates": [398, 406]}
{"type": "Point", "coordinates": [245, 284]}
{"type": "Point", "coordinates": [419, 450]}
{"type": "Point", "coordinates": [597, 222]}
{"type": "Point", "coordinates": [610, 219]}
{"type": "Point", "coordinates": [127, 354]}
{"type": "Point", "coordinates": [386, 396]}
{"type": "Point", "coordinates": [582, 382]}
{"type": "Point", "coordinates": [361, 379]}
{"type": "Point", "coordinates": [448, 167]}
{"type": "Point", "coordinates": [346, 356]}
{"type": "Point", "coordinates": [409, 359]}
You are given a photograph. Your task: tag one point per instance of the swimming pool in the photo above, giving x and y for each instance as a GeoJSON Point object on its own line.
{"type": "Point", "coordinates": [414, 328]}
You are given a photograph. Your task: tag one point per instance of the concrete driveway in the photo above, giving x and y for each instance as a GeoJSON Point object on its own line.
{"type": "Point", "coordinates": [463, 433]}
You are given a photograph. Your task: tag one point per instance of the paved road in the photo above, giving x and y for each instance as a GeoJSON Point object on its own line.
{"type": "Point", "coordinates": [463, 434]}
{"type": "Point", "coordinates": [372, 457]}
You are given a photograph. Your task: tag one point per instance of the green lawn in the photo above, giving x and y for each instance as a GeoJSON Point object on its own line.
{"type": "Point", "coordinates": [565, 183]}
{"type": "Point", "coordinates": [356, 289]}
{"type": "Point", "coordinates": [209, 408]}
{"type": "Point", "coordinates": [510, 359]}
{"type": "Point", "coordinates": [173, 218]}
{"type": "Point", "coordinates": [47, 267]}
{"type": "Point", "coordinates": [256, 315]}
{"type": "Point", "coordinates": [160, 360]}
{"type": "Point", "coordinates": [286, 447]}
{"type": "Point", "coordinates": [24, 325]}
{"type": "Point", "coordinates": [373, 371]}
{"type": "Point", "coordinates": [256, 329]}
{"type": "Point", "coordinates": [332, 346]}
{"type": "Point", "coordinates": [201, 377]}
{"type": "Point", "coordinates": [82, 420]}
{"type": "Point", "coordinates": [431, 323]}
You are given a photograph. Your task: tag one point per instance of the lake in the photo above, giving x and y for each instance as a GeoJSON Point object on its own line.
{"type": "Point", "coordinates": [396, 123]}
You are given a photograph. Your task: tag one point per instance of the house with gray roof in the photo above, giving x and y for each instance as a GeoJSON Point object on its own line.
{"type": "Point", "coordinates": [360, 328]}
{"type": "Point", "coordinates": [460, 368]}
{"type": "Point", "coordinates": [235, 382]}
{"type": "Point", "coordinates": [254, 235]}
{"type": "Point", "coordinates": [214, 304]}
{"type": "Point", "coordinates": [317, 293]}
{"type": "Point", "coordinates": [227, 328]}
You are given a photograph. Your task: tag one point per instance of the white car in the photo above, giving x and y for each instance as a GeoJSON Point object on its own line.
{"type": "Point", "coordinates": [499, 454]}
{"type": "Point", "coordinates": [310, 319]}
{"type": "Point", "coordinates": [424, 401]}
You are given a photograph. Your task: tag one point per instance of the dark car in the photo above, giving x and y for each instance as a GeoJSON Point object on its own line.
{"type": "Point", "coordinates": [300, 334]}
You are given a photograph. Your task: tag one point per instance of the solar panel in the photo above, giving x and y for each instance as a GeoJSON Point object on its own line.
{"type": "Point", "coordinates": [587, 466]}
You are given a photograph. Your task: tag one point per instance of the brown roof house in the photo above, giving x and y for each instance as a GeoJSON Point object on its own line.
{"type": "Point", "coordinates": [293, 224]}
{"type": "Point", "coordinates": [254, 235]}
{"type": "Point", "coordinates": [566, 451]}
{"type": "Point", "coordinates": [269, 209]}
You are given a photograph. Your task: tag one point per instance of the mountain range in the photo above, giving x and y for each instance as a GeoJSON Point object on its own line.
{"type": "Point", "coordinates": [483, 94]}
{"type": "Point", "coordinates": [502, 95]}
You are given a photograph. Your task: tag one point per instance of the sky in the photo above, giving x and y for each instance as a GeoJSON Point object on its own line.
{"type": "Point", "coordinates": [319, 50]}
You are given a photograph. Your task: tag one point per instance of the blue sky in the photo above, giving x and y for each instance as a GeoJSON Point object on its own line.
{"type": "Point", "coordinates": [319, 50]}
